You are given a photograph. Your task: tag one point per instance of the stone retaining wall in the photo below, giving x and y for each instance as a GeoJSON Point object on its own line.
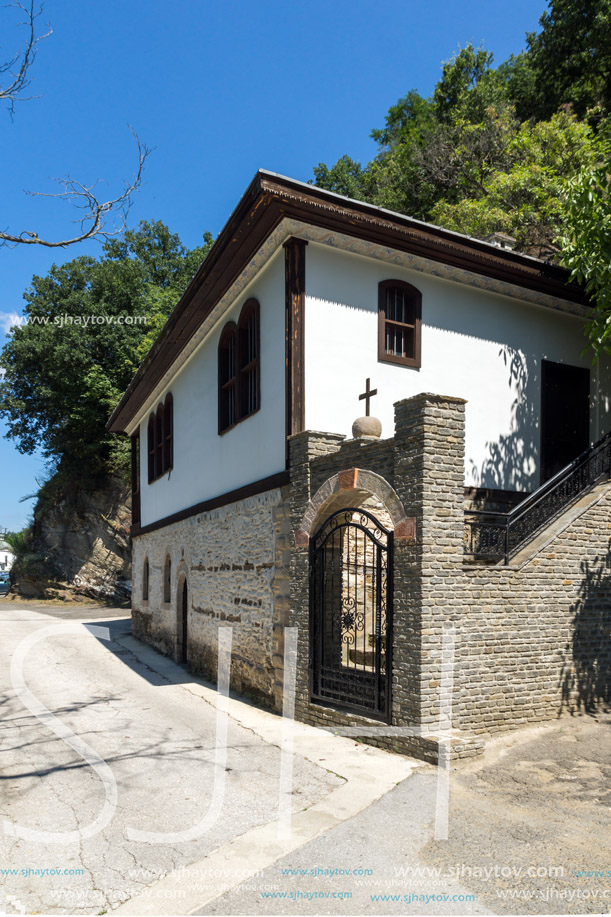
{"type": "Point", "coordinates": [536, 641]}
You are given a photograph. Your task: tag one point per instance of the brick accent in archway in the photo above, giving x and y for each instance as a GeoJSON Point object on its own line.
{"type": "Point", "coordinates": [351, 485]}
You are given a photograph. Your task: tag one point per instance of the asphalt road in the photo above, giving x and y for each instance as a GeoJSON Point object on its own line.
{"type": "Point", "coordinates": [540, 803]}
{"type": "Point", "coordinates": [159, 742]}
{"type": "Point", "coordinates": [526, 825]}
{"type": "Point", "coordinates": [526, 822]}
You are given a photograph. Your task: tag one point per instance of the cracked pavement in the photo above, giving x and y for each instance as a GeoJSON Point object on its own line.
{"type": "Point", "coordinates": [539, 799]}
{"type": "Point", "coordinates": [159, 741]}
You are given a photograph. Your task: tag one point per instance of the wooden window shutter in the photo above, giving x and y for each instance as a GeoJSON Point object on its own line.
{"type": "Point", "coordinates": [159, 442]}
{"type": "Point", "coordinates": [135, 476]}
{"type": "Point", "coordinates": [168, 433]}
{"type": "Point", "coordinates": [228, 377]}
{"type": "Point", "coordinates": [249, 350]}
{"type": "Point", "coordinates": [151, 448]}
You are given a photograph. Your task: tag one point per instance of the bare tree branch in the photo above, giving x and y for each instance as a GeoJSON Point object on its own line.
{"type": "Point", "coordinates": [94, 223]}
{"type": "Point", "coordinates": [100, 219]}
{"type": "Point", "coordinates": [17, 69]}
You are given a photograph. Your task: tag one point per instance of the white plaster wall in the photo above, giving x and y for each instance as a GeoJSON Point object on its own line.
{"type": "Point", "coordinates": [481, 346]}
{"type": "Point", "coordinates": [6, 560]}
{"type": "Point", "coordinates": [207, 465]}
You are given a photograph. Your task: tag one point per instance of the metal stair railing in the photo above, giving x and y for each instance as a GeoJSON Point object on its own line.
{"type": "Point", "coordinates": [493, 537]}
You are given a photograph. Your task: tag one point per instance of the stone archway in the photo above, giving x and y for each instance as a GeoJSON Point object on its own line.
{"type": "Point", "coordinates": [351, 612]}
{"type": "Point", "coordinates": [350, 527]}
{"type": "Point", "coordinates": [361, 488]}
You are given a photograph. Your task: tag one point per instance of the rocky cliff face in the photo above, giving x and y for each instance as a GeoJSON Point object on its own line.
{"type": "Point", "coordinates": [82, 545]}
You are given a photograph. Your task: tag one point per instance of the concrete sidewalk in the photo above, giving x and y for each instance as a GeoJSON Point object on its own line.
{"type": "Point", "coordinates": [367, 774]}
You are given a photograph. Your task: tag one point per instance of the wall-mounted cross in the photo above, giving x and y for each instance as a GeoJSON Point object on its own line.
{"type": "Point", "coordinates": [368, 395]}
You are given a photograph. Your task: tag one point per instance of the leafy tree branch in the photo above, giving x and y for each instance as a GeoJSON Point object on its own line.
{"type": "Point", "coordinates": [87, 324]}
{"type": "Point", "coordinates": [586, 245]}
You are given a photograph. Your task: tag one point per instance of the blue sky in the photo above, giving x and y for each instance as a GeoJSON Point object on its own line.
{"type": "Point", "coordinates": [219, 90]}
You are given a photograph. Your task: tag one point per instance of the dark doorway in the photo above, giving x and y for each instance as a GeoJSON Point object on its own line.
{"type": "Point", "coordinates": [184, 617]}
{"type": "Point", "coordinates": [565, 415]}
{"type": "Point", "coordinates": [351, 613]}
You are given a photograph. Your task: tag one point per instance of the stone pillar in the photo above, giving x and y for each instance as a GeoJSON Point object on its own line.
{"type": "Point", "coordinates": [303, 447]}
{"type": "Point", "coordinates": [281, 586]}
{"type": "Point", "coordinates": [429, 480]}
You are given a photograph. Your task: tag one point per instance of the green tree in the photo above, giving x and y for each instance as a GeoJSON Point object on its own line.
{"type": "Point", "coordinates": [520, 80]}
{"type": "Point", "coordinates": [412, 170]}
{"type": "Point", "coordinates": [586, 244]}
{"type": "Point", "coordinates": [65, 369]}
{"type": "Point", "coordinates": [520, 190]}
{"type": "Point", "coordinates": [406, 122]}
{"type": "Point", "coordinates": [493, 148]}
{"type": "Point", "coordinates": [571, 58]}
{"type": "Point", "coordinates": [468, 86]}
{"type": "Point", "coordinates": [346, 177]}
{"type": "Point", "coordinates": [395, 178]}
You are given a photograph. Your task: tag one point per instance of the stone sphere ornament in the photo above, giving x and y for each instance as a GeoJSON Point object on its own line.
{"type": "Point", "coordinates": [366, 426]}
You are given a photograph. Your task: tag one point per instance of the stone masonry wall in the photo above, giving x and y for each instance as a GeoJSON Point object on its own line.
{"type": "Point", "coordinates": [424, 427]}
{"type": "Point", "coordinates": [530, 642]}
{"type": "Point", "coordinates": [236, 562]}
{"type": "Point", "coordinates": [429, 479]}
{"type": "Point", "coordinates": [536, 641]}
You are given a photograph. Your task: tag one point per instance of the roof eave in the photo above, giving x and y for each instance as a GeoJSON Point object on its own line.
{"type": "Point", "coordinates": [268, 199]}
{"type": "Point", "coordinates": [223, 239]}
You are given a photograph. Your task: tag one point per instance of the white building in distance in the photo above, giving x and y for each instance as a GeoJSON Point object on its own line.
{"type": "Point", "coordinates": [7, 557]}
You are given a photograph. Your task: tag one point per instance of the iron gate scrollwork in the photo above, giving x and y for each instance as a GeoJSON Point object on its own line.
{"type": "Point", "coordinates": [351, 559]}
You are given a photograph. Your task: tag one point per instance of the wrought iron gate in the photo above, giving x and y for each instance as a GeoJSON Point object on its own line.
{"type": "Point", "coordinates": [351, 613]}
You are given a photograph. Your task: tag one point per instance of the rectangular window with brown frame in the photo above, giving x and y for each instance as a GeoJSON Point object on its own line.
{"type": "Point", "coordinates": [399, 323]}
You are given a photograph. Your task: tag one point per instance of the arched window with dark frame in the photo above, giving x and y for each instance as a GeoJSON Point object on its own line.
{"type": "Point", "coordinates": [135, 477]}
{"type": "Point", "coordinates": [160, 441]}
{"type": "Point", "coordinates": [248, 350]}
{"type": "Point", "coordinates": [228, 377]}
{"type": "Point", "coordinates": [399, 323]}
{"type": "Point", "coordinates": [240, 368]}
{"type": "Point", "coordinates": [145, 580]}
